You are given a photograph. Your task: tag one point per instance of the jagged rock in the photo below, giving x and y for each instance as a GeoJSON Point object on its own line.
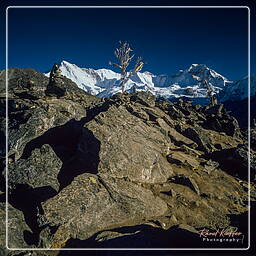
{"type": "Point", "coordinates": [153, 113]}
{"type": "Point", "coordinates": [209, 140]}
{"type": "Point", "coordinates": [19, 80]}
{"type": "Point", "coordinates": [29, 120]}
{"type": "Point", "coordinates": [138, 113]}
{"type": "Point", "coordinates": [182, 158]}
{"type": "Point", "coordinates": [186, 181]}
{"type": "Point", "coordinates": [200, 138]}
{"type": "Point", "coordinates": [175, 112]}
{"type": "Point", "coordinates": [32, 123]}
{"type": "Point", "coordinates": [210, 166]}
{"type": "Point", "coordinates": [226, 124]}
{"type": "Point", "coordinates": [41, 168]}
{"type": "Point", "coordinates": [146, 99]}
{"type": "Point", "coordinates": [188, 150]}
{"type": "Point", "coordinates": [175, 136]}
{"type": "Point", "coordinates": [23, 127]}
{"type": "Point", "coordinates": [91, 204]}
{"type": "Point", "coordinates": [163, 104]}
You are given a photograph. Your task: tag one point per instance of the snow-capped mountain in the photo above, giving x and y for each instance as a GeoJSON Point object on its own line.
{"type": "Point", "coordinates": [186, 83]}
{"type": "Point", "coordinates": [239, 90]}
{"type": "Point", "coordinates": [88, 79]}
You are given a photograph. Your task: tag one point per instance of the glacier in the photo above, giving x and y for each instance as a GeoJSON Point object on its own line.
{"type": "Point", "coordinates": [186, 83]}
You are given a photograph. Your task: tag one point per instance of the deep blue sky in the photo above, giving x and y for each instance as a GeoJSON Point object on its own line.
{"type": "Point", "coordinates": [168, 39]}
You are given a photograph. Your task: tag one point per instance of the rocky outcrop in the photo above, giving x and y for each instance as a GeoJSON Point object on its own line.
{"type": "Point", "coordinates": [91, 167]}
{"type": "Point", "coordinates": [91, 204]}
{"type": "Point", "coordinates": [54, 87]}
{"type": "Point", "coordinates": [30, 117]}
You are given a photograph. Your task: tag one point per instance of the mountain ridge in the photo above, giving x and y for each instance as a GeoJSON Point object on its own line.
{"type": "Point", "coordinates": [105, 82]}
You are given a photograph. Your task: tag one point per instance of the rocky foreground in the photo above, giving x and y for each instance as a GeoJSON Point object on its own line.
{"type": "Point", "coordinates": [125, 171]}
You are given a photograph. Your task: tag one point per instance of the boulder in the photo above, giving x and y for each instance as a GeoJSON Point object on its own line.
{"type": "Point", "coordinates": [129, 147]}
{"type": "Point", "coordinates": [93, 203]}
{"type": "Point", "coordinates": [40, 169]}
{"type": "Point", "coordinates": [29, 121]}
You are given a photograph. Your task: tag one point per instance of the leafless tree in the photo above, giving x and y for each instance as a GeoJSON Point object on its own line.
{"type": "Point", "coordinates": [209, 87]}
{"type": "Point", "coordinates": [123, 54]}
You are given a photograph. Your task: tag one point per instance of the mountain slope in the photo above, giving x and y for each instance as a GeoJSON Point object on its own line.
{"type": "Point", "coordinates": [239, 90]}
{"type": "Point", "coordinates": [93, 169]}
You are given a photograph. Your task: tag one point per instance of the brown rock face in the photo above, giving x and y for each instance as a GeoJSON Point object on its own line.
{"type": "Point", "coordinates": [94, 167]}
{"type": "Point", "coordinates": [129, 148]}
{"type": "Point", "coordinates": [91, 204]}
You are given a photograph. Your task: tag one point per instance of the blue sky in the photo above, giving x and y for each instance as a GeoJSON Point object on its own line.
{"type": "Point", "coordinates": [168, 39]}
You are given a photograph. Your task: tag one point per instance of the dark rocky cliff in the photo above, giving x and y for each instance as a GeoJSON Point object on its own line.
{"type": "Point", "coordinates": [90, 172]}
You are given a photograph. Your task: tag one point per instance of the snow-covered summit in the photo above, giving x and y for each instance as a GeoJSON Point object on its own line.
{"type": "Point", "coordinates": [185, 83]}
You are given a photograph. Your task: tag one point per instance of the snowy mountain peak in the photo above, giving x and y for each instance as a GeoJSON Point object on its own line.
{"type": "Point", "coordinates": [67, 64]}
{"type": "Point", "coordinates": [186, 83]}
{"type": "Point", "coordinates": [197, 67]}
{"type": "Point", "coordinates": [64, 63]}
{"type": "Point", "coordinates": [205, 72]}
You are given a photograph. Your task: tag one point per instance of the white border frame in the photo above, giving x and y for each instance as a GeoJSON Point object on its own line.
{"type": "Point", "coordinates": [130, 249]}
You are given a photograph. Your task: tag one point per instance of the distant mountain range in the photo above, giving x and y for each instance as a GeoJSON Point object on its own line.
{"type": "Point", "coordinates": [186, 83]}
